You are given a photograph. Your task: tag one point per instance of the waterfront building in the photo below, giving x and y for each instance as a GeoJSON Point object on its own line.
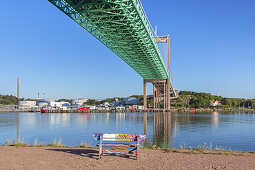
{"type": "Point", "coordinates": [59, 104]}
{"type": "Point", "coordinates": [44, 102]}
{"type": "Point", "coordinates": [23, 105]}
{"type": "Point", "coordinates": [93, 107]}
{"type": "Point", "coordinates": [76, 106]}
{"type": "Point", "coordinates": [140, 107]}
{"type": "Point", "coordinates": [120, 108]}
{"type": "Point", "coordinates": [80, 102]}
{"type": "Point", "coordinates": [105, 104]}
{"type": "Point", "coordinates": [214, 103]}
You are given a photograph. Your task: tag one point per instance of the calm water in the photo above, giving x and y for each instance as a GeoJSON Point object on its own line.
{"type": "Point", "coordinates": [235, 131]}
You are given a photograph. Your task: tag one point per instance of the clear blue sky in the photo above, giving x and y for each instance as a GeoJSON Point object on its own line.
{"type": "Point", "coordinates": [212, 50]}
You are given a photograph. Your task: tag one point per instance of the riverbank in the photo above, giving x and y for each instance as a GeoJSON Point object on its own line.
{"type": "Point", "coordinates": [79, 158]}
{"type": "Point", "coordinates": [131, 111]}
{"type": "Point", "coordinates": [214, 110]}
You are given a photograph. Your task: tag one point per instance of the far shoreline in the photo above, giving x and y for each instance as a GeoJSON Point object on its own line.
{"type": "Point", "coordinates": [180, 110]}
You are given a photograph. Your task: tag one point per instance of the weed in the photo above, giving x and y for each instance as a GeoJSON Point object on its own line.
{"type": "Point", "coordinates": [83, 145]}
{"type": "Point", "coordinates": [56, 144]}
{"type": "Point", "coordinates": [238, 154]}
{"type": "Point", "coordinates": [167, 149]}
{"type": "Point", "coordinates": [176, 151]}
{"type": "Point", "coordinates": [35, 142]}
{"type": "Point", "coordinates": [154, 147]}
{"type": "Point", "coordinates": [6, 142]}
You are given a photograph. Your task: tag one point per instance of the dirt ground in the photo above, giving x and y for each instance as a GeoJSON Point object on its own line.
{"type": "Point", "coordinates": [75, 158]}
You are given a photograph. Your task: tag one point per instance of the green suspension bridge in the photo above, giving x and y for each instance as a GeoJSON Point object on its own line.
{"type": "Point", "coordinates": [124, 28]}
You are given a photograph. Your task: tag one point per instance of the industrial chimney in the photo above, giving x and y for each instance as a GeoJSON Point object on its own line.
{"type": "Point", "coordinates": [18, 88]}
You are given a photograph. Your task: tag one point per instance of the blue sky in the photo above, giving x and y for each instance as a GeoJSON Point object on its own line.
{"type": "Point", "coordinates": [212, 50]}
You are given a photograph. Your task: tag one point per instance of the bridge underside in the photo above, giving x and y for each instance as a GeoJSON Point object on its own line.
{"type": "Point", "coordinates": [123, 27]}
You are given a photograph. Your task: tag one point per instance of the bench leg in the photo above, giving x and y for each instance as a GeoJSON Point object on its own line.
{"type": "Point", "coordinates": [137, 148]}
{"type": "Point", "coordinates": [101, 147]}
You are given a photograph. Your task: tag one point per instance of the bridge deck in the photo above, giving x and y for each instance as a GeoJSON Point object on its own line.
{"type": "Point", "coordinates": [123, 27]}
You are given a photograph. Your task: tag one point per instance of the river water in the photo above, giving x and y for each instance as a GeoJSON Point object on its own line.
{"type": "Point", "coordinates": [233, 130]}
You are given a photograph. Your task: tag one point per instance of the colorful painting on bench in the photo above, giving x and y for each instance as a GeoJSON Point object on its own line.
{"type": "Point", "coordinates": [118, 137]}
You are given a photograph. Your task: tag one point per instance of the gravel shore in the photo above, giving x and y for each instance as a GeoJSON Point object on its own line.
{"type": "Point", "coordinates": [76, 158]}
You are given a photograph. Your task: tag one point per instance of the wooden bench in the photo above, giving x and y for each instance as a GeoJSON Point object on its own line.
{"type": "Point", "coordinates": [107, 140]}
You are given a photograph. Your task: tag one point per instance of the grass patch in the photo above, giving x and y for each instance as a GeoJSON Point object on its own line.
{"type": "Point", "coordinates": [168, 150]}
{"type": "Point", "coordinates": [56, 143]}
{"type": "Point", "coordinates": [176, 151]}
{"type": "Point", "coordinates": [238, 154]}
{"type": "Point", "coordinates": [83, 145]}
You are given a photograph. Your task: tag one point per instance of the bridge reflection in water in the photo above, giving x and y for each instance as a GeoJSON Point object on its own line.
{"type": "Point", "coordinates": [162, 128]}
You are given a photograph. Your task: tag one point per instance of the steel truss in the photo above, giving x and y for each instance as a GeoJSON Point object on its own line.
{"type": "Point", "coordinates": [123, 27]}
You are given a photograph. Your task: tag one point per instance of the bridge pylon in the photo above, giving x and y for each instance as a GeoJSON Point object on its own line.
{"type": "Point", "coordinates": [162, 88]}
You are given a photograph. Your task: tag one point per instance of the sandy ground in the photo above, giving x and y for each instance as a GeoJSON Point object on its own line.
{"type": "Point", "coordinates": [74, 158]}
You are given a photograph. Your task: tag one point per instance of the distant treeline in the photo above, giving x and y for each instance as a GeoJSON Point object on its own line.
{"type": "Point", "coordinates": [201, 100]}
{"type": "Point", "coordinates": [190, 99]}
{"type": "Point", "coordinates": [8, 100]}
{"type": "Point", "coordinates": [186, 99]}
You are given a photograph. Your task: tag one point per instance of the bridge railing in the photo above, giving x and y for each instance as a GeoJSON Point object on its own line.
{"type": "Point", "coordinates": [148, 21]}
{"type": "Point", "coordinates": [149, 28]}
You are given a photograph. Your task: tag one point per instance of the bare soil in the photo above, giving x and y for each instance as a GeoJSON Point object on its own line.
{"type": "Point", "coordinates": [76, 158]}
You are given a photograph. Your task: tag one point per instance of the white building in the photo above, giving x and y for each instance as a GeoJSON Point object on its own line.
{"type": "Point", "coordinates": [120, 108]}
{"type": "Point", "coordinates": [79, 102]}
{"type": "Point", "coordinates": [93, 107]}
{"type": "Point", "coordinates": [214, 103]}
{"type": "Point", "coordinates": [44, 102]}
{"type": "Point", "coordinates": [26, 104]}
{"type": "Point", "coordinates": [59, 104]}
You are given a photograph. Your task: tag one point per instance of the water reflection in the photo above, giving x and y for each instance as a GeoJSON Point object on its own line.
{"type": "Point", "coordinates": [232, 129]}
{"type": "Point", "coordinates": [145, 123]}
{"type": "Point", "coordinates": [162, 129]}
{"type": "Point", "coordinates": [215, 118]}
{"type": "Point", "coordinates": [18, 137]}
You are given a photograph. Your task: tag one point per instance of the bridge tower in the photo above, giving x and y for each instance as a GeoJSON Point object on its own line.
{"type": "Point", "coordinates": [162, 88]}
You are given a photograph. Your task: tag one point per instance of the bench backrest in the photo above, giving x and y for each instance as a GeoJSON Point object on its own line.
{"type": "Point", "coordinates": [119, 137]}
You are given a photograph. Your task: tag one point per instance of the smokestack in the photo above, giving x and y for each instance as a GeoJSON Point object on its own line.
{"type": "Point", "coordinates": [18, 89]}
{"type": "Point", "coordinates": [38, 96]}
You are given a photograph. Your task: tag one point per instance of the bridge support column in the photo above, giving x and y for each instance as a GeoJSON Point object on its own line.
{"type": "Point", "coordinates": [162, 88]}
{"type": "Point", "coordinates": [154, 103]}
{"type": "Point", "coordinates": [144, 94]}
{"type": "Point", "coordinates": [168, 86]}
{"type": "Point", "coordinates": [164, 96]}
{"type": "Point", "coordinates": [168, 69]}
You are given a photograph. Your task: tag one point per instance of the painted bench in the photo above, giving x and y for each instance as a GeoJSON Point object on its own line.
{"type": "Point", "coordinates": [108, 140]}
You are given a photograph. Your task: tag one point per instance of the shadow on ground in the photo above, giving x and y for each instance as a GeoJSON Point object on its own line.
{"type": "Point", "coordinates": [91, 153]}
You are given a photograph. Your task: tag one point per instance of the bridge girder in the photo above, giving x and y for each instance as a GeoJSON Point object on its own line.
{"type": "Point", "coordinates": [123, 27]}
